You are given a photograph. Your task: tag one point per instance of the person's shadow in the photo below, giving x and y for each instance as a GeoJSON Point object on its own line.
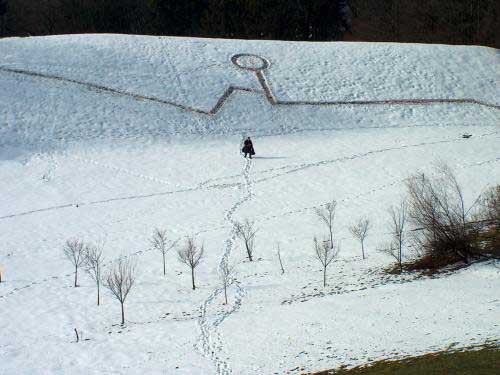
{"type": "Point", "coordinates": [269, 157]}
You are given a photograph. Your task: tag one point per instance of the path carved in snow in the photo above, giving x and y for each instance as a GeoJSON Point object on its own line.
{"type": "Point", "coordinates": [258, 66]}
{"type": "Point", "coordinates": [210, 342]}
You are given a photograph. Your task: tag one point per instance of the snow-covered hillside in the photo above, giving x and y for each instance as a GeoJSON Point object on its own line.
{"type": "Point", "coordinates": [106, 137]}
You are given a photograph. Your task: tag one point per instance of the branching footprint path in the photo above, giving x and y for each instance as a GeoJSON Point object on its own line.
{"type": "Point", "coordinates": [210, 342]}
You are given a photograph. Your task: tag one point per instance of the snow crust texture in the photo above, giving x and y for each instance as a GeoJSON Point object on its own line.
{"type": "Point", "coordinates": [106, 137]}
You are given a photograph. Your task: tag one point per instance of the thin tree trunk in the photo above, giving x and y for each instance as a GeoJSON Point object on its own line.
{"type": "Point", "coordinates": [164, 272]}
{"type": "Point", "coordinates": [192, 278]}
{"type": "Point", "coordinates": [400, 258]}
{"type": "Point", "coordinates": [225, 293]}
{"type": "Point", "coordinates": [248, 252]}
{"type": "Point", "coordinates": [363, 249]}
{"type": "Point", "coordinates": [123, 314]}
{"type": "Point", "coordinates": [76, 275]}
{"type": "Point", "coordinates": [324, 276]}
{"type": "Point", "coordinates": [98, 294]}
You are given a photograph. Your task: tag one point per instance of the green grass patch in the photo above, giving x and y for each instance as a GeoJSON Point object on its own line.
{"type": "Point", "coordinates": [485, 361]}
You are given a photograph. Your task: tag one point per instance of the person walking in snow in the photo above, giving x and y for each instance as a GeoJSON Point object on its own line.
{"type": "Point", "coordinates": [248, 148]}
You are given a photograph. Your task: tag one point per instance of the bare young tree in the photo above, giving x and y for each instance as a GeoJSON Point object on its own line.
{"type": "Point", "coordinates": [398, 224]}
{"type": "Point", "coordinates": [246, 232]}
{"type": "Point", "coordinates": [326, 253]}
{"type": "Point", "coordinates": [75, 250]}
{"type": "Point", "coordinates": [120, 280]}
{"type": "Point", "coordinates": [226, 274]}
{"type": "Point", "coordinates": [191, 254]}
{"type": "Point", "coordinates": [159, 242]}
{"type": "Point", "coordinates": [360, 231]}
{"type": "Point", "coordinates": [93, 265]}
{"type": "Point", "coordinates": [326, 214]}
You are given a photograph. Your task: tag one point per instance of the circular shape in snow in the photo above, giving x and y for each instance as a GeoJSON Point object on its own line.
{"type": "Point", "coordinates": [250, 62]}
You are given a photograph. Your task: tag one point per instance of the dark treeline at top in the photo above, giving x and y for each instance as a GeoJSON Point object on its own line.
{"type": "Point", "coordinates": [436, 21]}
{"type": "Point", "coordinates": [427, 21]}
{"type": "Point", "coordinates": [249, 19]}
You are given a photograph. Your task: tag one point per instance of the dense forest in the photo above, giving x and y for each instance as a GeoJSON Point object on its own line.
{"type": "Point", "coordinates": [427, 21]}
{"type": "Point", "coordinates": [435, 21]}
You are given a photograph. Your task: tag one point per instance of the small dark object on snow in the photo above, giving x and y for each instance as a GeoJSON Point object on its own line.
{"type": "Point", "coordinates": [466, 135]}
{"type": "Point", "coordinates": [77, 336]}
{"type": "Point", "coordinates": [248, 148]}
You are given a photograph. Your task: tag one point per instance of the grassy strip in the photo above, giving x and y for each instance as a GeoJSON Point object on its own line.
{"type": "Point", "coordinates": [485, 361]}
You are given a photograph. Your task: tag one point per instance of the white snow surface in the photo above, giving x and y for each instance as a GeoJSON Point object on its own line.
{"type": "Point", "coordinates": [78, 160]}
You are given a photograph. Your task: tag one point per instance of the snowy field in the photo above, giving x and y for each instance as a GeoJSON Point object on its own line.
{"type": "Point", "coordinates": [107, 137]}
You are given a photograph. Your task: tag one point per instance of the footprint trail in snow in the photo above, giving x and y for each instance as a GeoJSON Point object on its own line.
{"type": "Point", "coordinates": [210, 342]}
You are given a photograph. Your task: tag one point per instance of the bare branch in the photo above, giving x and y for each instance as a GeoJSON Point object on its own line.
{"type": "Point", "coordinates": [246, 232]}
{"type": "Point", "coordinates": [360, 231]}
{"type": "Point", "coordinates": [446, 227]}
{"type": "Point", "coordinates": [325, 252]}
{"type": "Point", "coordinates": [191, 254]}
{"type": "Point", "coordinates": [159, 242]}
{"type": "Point", "coordinates": [226, 274]}
{"type": "Point", "coordinates": [94, 260]}
{"type": "Point", "coordinates": [393, 251]}
{"type": "Point", "coordinates": [326, 214]}
{"type": "Point", "coordinates": [75, 250]}
{"type": "Point", "coordinates": [120, 280]}
{"type": "Point", "coordinates": [398, 223]}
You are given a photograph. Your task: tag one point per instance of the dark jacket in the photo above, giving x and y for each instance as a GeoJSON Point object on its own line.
{"type": "Point", "coordinates": [248, 147]}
